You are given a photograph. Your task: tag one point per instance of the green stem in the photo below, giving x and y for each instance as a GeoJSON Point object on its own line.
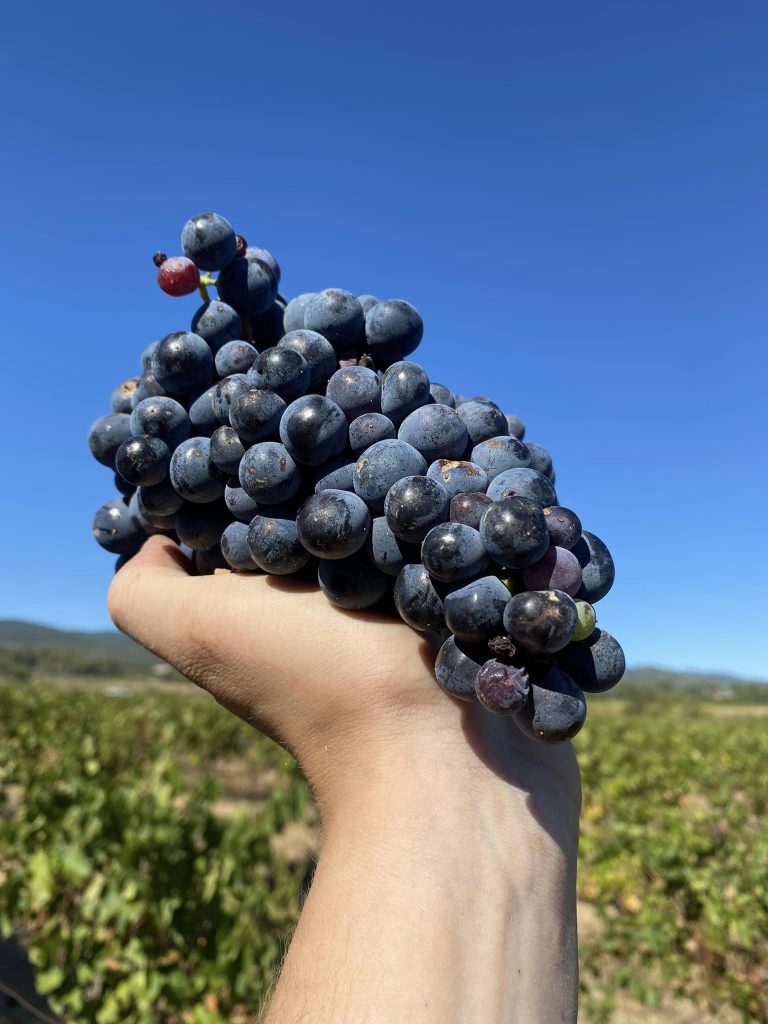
{"type": "Point", "coordinates": [205, 281]}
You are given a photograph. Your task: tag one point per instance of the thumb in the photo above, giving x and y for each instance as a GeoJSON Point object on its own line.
{"type": "Point", "coordinates": [146, 595]}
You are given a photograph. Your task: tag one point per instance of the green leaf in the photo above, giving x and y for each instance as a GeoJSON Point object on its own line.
{"type": "Point", "coordinates": [49, 980]}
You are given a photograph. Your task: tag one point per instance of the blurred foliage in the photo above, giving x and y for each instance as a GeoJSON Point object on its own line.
{"type": "Point", "coordinates": [141, 903]}
{"type": "Point", "coordinates": [674, 854]}
{"type": "Point", "coordinates": [144, 903]}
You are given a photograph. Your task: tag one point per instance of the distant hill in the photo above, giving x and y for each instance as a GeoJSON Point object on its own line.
{"type": "Point", "coordinates": [651, 674]}
{"type": "Point", "coordinates": [28, 649]}
{"type": "Point", "coordinates": [110, 642]}
{"type": "Point", "coordinates": [643, 684]}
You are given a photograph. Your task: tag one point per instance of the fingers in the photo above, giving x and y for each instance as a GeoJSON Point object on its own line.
{"type": "Point", "coordinates": [147, 594]}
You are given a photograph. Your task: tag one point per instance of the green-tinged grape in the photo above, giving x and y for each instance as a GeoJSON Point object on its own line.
{"type": "Point", "coordinates": [587, 618]}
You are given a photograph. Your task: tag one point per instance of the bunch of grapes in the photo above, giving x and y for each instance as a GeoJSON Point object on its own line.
{"type": "Point", "coordinates": [296, 437]}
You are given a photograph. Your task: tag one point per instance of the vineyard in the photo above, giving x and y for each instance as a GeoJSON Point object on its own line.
{"type": "Point", "coordinates": [154, 850]}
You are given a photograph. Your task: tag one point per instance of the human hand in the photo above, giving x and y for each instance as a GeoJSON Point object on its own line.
{"type": "Point", "coordinates": [450, 837]}
{"type": "Point", "coordinates": [343, 691]}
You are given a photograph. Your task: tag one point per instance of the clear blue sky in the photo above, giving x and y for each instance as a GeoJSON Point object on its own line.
{"type": "Point", "coordinates": [575, 196]}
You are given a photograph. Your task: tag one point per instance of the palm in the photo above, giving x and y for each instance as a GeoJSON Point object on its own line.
{"type": "Point", "coordinates": [277, 653]}
{"type": "Point", "coordinates": [285, 643]}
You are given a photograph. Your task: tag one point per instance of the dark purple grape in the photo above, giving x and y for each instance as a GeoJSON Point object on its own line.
{"type": "Point", "coordinates": [143, 460]}
{"type": "Point", "coordinates": [255, 252]}
{"type": "Point", "coordinates": [248, 285]}
{"type": "Point", "coordinates": [452, 552]}
{"type": "Point", "coordinates": [293, 317]}
{"type": "Point", "coordinates": [417, 600]}
{"type": "Point", "coordinates": [382, 465]}
{"type": "Point", "coordinates": [234, 548]}
{"type": "Point", "coordinates": [498, 454]}
{"type": "Point", "coordinates": [458, 477]}
{"type": "Point", "coordinates": [516, 427]}
{"type": "Point", "coordinates": [235, 357]}
{"type": "Point", "coordinates": [333, 524]}
{"type": "Point", "coordinates": [255, 415]}
{"type": "Point", "coordinates": [115, 529]}
{"type": "Point", "coordinates": [393, 329]}
{"type": "Point", "coordinates": [226, 450]}
{"type": "Point", "coordinates": [201, 414]}
{"type": "Point", "coordinates": [149, 522]}
{"type": "Point", "coordinates": [274, 545]}
{"type": "Point", "coordinates": [457, 667]}
{"type": "Point", "coordinates": [436, 431]}
{"type": "Point", "coordinates": [555, 709]}
{"type": "Point", "coordinates": [193, 474]}
{"type": "Point", "coordinates": [356, 390]}
{"type": "Point", "coordinates": [542, 621]}
{"type": "Point", "coordinates": [224, 394]}
{"type": "Point", "coordinates": [597, 569]}
{"type": "Point", "coordinates": [239, 502]}
{"type": "Point", "coordinates": [469, 508]}
{"type": "Point", "coordinates": [146, 356]}
{"type": "Point", "coordinates": [107, 434]}
{"type": "Point", "coordinates": [317, 352]}
{"type": "Point", "coordinates": [597, 664]}
{"type": "Point", "coordinates": [147, 386]}
{"type": "Point", "coordinates": [442, 395]}
{"type": "Point", "coordinates": [160, 499]}
{"type": "Point", "coordinates": [514, 532]}
{"type": "Point", "coordinates": [338, 316]}
{"type": "Point", "coordinates": [269, 474]}
{"type": "Point", "coordinates": [475, 612]}
{"type": "Point", "coordinates": [217, 323]}
{"type": "Point", "coordinates": [182, 363]}
{"type": "Point", "coordinates": [387, 552]}
{"type": "Point", "coordinates": [201, 527]}
{"type": "Point", "coordinates": [405, 387]}
{"type": "Point", "coordinates": [313, 429]}
{"type": "Point", "coordinates": [161, 417]}
{"type": "Point", "coordinates": [123, 486]}
{"type": "Point", "coordinates": [413, 506]}
{"type": "Point", "coordinates": [353, 583]}
{"type": "Point", "coordinates": [483, 420]}
{"type": "Point", "coordinates": [207, 561]}
{"type": "Point", "coordinates": [368, 429]}
{"type": "Point", "coordinates": [559, 569]}
{"type": "Point", "coordinates": [541, 460]}
{"type": "Point", "coordinates": [564, 526]}
{"type": "Point", "coordinates": [523, 483]}
{"type": "Point", "coordinates": [209, 241]}
{"type": "Point", "coordinates": [284, 371]}
{"type": "Point", "coordinates": [122, 395]}
{"type": "Point", "coordinates": [336, 475]}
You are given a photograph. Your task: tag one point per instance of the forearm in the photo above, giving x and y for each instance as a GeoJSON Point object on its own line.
{"type": "Point", "coordinates": [438, 897]}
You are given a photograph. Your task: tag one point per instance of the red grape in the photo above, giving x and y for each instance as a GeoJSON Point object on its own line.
{"type": "Point", "coordinates": [178, 276]}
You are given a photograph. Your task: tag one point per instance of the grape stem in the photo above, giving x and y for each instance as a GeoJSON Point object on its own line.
{"type": "Point", "coordinates": [205, 280]}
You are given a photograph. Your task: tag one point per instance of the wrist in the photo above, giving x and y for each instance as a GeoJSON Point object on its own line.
{"type": "Point", "coordinates": [448, 867]}
{"type": "Point", "coordinates": [459, 775]}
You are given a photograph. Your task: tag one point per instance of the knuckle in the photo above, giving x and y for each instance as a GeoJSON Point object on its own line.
{"type": "Point", "coordinates": [198, 657]}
